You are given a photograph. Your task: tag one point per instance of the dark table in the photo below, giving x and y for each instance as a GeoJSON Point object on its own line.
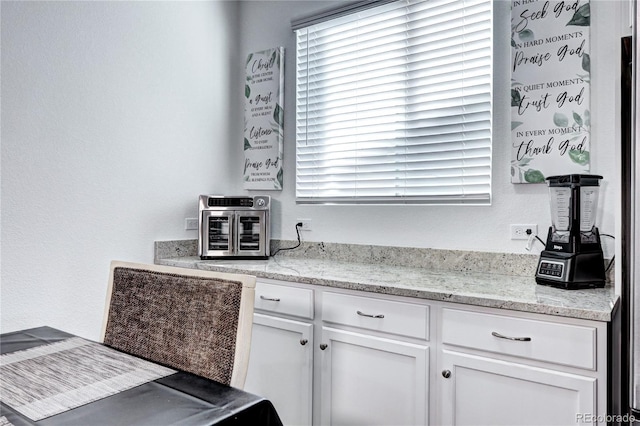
{"type": "Point", "coordinates": [180, 398]}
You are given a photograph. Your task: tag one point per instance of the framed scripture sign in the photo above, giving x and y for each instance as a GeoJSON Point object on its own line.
{"type": "Point", "coordinates": [550, 88]}
{"type": "Point", "coordinates": [264, 119]}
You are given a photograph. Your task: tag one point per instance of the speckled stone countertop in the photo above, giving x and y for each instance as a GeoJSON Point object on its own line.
{"type": "Point", "coordinates": [493, 280]}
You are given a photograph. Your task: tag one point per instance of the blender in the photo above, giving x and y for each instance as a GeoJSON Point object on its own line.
{"type": "Point", "coordinates": [573, 257]}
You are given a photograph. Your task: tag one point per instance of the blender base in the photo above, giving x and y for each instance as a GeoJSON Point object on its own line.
{"type": "Point", "coordinates": [571, 271]}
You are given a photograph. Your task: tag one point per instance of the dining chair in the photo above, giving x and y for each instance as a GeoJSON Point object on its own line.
{"type": "Point", "coordinates": [192, 320]}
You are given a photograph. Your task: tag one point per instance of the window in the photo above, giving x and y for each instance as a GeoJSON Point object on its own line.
{"type": "Point", "coordinates": [394, 104]}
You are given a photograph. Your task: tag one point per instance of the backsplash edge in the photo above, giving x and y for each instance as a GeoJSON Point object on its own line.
{"type": "Point", "coordinates": [514, 264]}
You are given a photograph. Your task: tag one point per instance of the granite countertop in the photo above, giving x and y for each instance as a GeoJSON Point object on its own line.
{"type": "Point", "coordinates": [520, 293]}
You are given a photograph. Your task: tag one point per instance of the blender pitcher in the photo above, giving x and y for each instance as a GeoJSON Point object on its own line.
{"type": "Point", "coordinates": [573, 256]}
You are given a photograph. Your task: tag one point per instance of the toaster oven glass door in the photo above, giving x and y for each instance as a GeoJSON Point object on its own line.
{"type": "Point", "coordinates": [251, 235]}
{"type": "Point", "coordinates": [218, 233]}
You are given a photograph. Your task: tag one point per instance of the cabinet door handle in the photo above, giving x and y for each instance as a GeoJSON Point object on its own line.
{"type": "Point", "coordinates": [446, 374]}
{"type": "Point", "coordinates": [270, 299]}
{"type": "Point", "coordinates": [362, 314]}
{"type": "Point", "coordinates": [323, 346]}
{"type": "Point", "coordinates": [519, 339]}
{"type": "Point", "coordinates": [303, 342]}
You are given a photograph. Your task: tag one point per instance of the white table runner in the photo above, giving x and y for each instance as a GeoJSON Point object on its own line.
{"type": "Point", "coordinates": [50, 379]}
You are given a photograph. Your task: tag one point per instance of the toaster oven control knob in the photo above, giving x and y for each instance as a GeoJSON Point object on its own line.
{"type": "Point", "coordinates": [261, 202]}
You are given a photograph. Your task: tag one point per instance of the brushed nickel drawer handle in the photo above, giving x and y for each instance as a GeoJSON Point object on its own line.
{"type": "Point", "coordinates": [519, 339]}
{"type": "Point", "coordinates": [270, 299]}
{"type": "Point", "coordinates": [362, 314]}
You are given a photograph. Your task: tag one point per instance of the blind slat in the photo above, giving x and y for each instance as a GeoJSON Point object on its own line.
{"type": "Point", "coordinates": [393, 104]}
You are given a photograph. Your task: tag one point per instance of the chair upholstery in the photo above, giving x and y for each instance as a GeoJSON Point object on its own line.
{"type": "Point", "coordinates": [192, 320]}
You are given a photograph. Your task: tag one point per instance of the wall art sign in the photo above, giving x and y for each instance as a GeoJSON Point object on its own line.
{"type": "Point", "coordinates": [550, 89]}
{"type": "Point", "coordinates": [264, 119]}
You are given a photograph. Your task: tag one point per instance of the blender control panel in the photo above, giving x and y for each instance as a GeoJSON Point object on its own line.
{"type": "Point", "coordinates": [551, 269]}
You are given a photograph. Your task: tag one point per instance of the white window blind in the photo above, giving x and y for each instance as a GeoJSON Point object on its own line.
{"type": "Point", "coordinates": [394, 105]}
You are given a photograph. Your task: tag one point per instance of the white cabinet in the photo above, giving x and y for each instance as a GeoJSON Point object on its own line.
{"type": "Point", "coordinates": [484, 391]}
{"type": "Point", "coordinates": [375, 361]}
{"type": "Point", "coordinates": [400, 319]}
{"type": "Point", "coordinates": [281, 366]}
{"type": "Point", "coordinates": [281, 360]}
{"type": "Point", "coordinates": [327, 356]}
{"type": "Point", "coordinates": [370, 380]}
{"type": "Point", "coordinates": [529, 338]}
{"type": "Point", "coordinates": [497, 369]}
{"type": "Point", "coordinates": [366, 358]}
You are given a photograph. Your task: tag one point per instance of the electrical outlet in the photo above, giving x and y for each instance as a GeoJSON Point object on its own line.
{"type": "Point", "coordinates": [306, 224]}
{"type": "Point", "coordinates": [519, 232]}
{"type": "Point", "coordinates": [190, 223]}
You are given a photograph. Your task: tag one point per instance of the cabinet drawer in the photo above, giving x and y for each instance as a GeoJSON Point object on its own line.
{"type": "Point", "coordinates": [284, 300]}
{"type": "Point", "coordinates": [404, 319]}
{"type": "Point", "coordinates": [564, 344]}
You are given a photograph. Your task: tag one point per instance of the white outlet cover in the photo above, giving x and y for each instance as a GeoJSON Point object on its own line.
{"type": "Point", "coordinates": [306, 224]}
{"type": "Point", "coordinates": [190, 223]}
{"type": "Point", "coordinates": [519, 232]}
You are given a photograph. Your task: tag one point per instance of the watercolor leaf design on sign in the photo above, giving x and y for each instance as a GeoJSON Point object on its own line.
{"type": "Point", "coordinates": [533, 176]}
{"type": "Point", "coordinates": [525, 174]}
{"type": "Point", "coordinates": [526, 35]}
{"type": "Point", "coordinates": [278, 115]}
{"type": "Point", "coordinates": [560, 120]}
{"type": "Point", "coordinates": [581, 127]}
{"type": "Point", "coordinates": [581, 17]}
{"type": "Point", "coordinates": [586, 62]}
{"type": "Point", "coordinates": [515, 98]}
{"type": "Point", "coordinates": [247, 89]}
{"type": "Point", "coordinates": [277, 53]}
{"type": "Point", "coordinates": [577, 119]}
{"type": "Point", "coordinates": [579, 157]}
{"type": "Point", "coordinates": [277, 126]}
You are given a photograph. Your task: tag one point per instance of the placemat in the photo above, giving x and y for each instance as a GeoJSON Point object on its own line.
{"type": "Point", "coordinates": [50, 379]}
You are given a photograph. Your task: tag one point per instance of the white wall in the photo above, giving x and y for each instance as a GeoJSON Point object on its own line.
{"type": "Point", "coordinates": [115, 116]}
{"type": "Point", "coordinates": [265, 24]}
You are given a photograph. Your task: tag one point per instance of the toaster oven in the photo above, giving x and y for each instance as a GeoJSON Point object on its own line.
{"type": "Point", "coordinates": [234, 227]}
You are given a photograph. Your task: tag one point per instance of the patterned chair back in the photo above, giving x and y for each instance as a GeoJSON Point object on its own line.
{"type": "Point", "coordinates": [192, 320]}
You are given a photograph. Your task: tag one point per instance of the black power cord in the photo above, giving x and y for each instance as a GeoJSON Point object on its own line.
{"type": "Point", "coordinates": [529, 232]}
{"type": "Point", "coordinates": [298, 226]}
{"type": "Point", "coordinates": [614, 256]}
{"type": "Point", "coordinates": [602, 235]}
{"type": "Point", "coordinates": [538, 238]}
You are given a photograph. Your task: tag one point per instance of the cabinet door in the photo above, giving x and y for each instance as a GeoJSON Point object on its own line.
{"type": "Point", "coordinates": [281, 366]}
{"type": "Point", "coordinates": [475, 390]}
{"type": "Point", "coordinates": [368, 380]}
